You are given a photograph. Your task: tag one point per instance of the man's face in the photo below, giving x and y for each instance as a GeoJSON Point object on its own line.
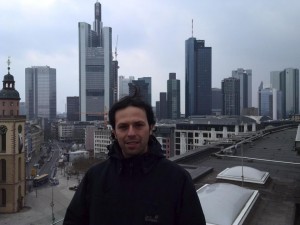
{"type": "Point", "coordinates": [132, 131]}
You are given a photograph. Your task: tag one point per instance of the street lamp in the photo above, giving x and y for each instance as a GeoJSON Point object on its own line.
{"type": "Point", "coordinates": [52, 206]}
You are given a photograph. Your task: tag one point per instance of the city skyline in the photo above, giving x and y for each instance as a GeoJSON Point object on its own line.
{"type": "Point", "coordinates": [251, 34]}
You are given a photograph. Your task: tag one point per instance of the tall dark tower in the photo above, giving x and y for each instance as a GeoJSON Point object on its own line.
{"type": "Point", "coordinates": [12, 156]}
{"type": "Point", "coordinates": [197, 77]}
{"type": "Point", "coordinates": [173, 96]}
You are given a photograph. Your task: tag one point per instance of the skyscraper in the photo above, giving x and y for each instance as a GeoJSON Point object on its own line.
{"type": "Point", "coordinates": [173, 97]}
{"type": "Point", "coordinates": [245, 77]}
{"type": "Point", "coordinates": [216, 101]}
{"type": "Point", "coordinates": [269, 102]}
{"type": "Point", "coordinates": [73, 108]}
{"type": "Point", "coordinates": [123, 85]}
{"type": "Point", "coordinates": [40, 92]}
{"type": "Point", "coordinates": [147, 80]}
{"type": "Point", "coordinates": [114, 81]}
{"type": "Point", "coordinates": [97, 85]}
{"type": "Point", "coordinates": [142, 87]}
{"type": "Point", "coordinates": [231, 96]}
{"type": "Point", "coordinates": [287, 81]}
{"type": "Point", "coordinates": [163, 109]}
{"type": "Point", "coordinates": [197, 77]}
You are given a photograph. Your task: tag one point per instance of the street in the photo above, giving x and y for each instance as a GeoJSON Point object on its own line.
{"type": "Point", "coordinates": [38, 210]}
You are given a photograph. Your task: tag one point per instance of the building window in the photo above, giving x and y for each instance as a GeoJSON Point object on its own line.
{"type": "Point", "coordinates": [3, 168]}
{"type": "Point", "coordinates": [3, 130]}
{"type": "Point", "coordinates": [19, 168]}
{"type": "Point", "coordinates": [11, 103]}
{"type": "Point", "coordinates": [3, 103]}
{"type": "Point", "coordinates": [3, 197]}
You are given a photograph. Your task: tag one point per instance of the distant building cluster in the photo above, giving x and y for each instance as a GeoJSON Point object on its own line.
{"type": "Point", "coordinates": [100, 86]}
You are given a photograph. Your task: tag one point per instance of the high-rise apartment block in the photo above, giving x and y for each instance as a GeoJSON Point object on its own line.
{"type": "Point", "coordinates": [198, 68]}
{"type": "Point", "coordinates": [173, 97]}
{"type": "Point", "coordinates": [123, 85]}
{"type": "Point", "coordinates": [231, 96]}
{"type": "Point", "coordinates": [245, 77]}
{"type": "Point", "coordinates": [287, 81]}
{"type": "Point", "coordinates": [73, 108]}
{"type": "Point", "coordinates": [40, 92]}
{"type": "Point", "coordinates": [97, 78]}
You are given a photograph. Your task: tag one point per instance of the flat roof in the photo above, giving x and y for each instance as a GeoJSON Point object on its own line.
{"type": "Point", "coordinates": [274, 154]}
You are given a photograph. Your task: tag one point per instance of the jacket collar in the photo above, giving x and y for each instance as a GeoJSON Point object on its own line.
{"type": "Point", "coordinates": [136, 164]}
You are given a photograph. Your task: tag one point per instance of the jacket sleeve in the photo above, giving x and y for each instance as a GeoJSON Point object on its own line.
{"type": "Point", "coordinates": [77, 212]}
{"type": "Point", "coordinates": [190, 210]}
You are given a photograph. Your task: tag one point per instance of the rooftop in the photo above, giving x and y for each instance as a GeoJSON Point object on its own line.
{"type": "Point", "coordinates": [271, 158]}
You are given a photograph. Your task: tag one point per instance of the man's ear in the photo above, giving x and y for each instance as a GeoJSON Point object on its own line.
{"type": "Point", "coordinates": [113, 134]}
{"type": "Point", "coordinates": [151, 129]}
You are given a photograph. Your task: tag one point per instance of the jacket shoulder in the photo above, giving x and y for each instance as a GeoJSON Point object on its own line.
{"type": "Point", "coordinates": [172, 167]}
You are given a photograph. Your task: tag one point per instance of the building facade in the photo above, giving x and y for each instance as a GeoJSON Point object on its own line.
{"type": "Point", "coordinates": [245, 77]}
{"type": "Point", "coordinates": [142, 87]}
{"type": "Point", "coordinates": [173, 97]}
{"type": "Point", "coordinates": [287, 81]}
{"type": "Point", "coordinates": [216, 101]}
{"type": "Point", "coordinates": [231, 96]}
{"type": "Point", "coordinates": [73, 108]}
{"type": "Point", "coordinates": [208, 130]}
{"type": "Point", "coordinates": [148, 80]}
{"type": "Point", "coordinates": [102, 138]}
{"type": "Point", "coordinates": [114, 81]}
{"type": "Point", "coordinates": [97, 85]}
{"type": "Point", "coordinates": [12, 149]}
{"type": "Point", "coordinates": [198, 68]}
{"type": "Point", "coordinates": [40, 92]}
{"type": "Point", "coordinates": [124, 85]}
{"type": "Point", "coordinates": [163, 109]}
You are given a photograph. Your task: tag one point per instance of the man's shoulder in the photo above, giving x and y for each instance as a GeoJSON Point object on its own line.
{"type": "Point", "coordinates": [100, 166]}
{"type": "Point", "coordinates": [170, 165]}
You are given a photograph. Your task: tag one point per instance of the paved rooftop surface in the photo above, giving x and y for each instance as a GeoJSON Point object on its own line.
{"type": "Point", "coordinates": [280, 197]}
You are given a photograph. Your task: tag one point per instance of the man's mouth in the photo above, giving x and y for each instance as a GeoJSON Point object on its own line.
{"type": "Point", "coordinates": [132, 143]}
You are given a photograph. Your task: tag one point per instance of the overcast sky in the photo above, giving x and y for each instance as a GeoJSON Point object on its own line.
{"type": "Point", "coordinates": [262, 35]}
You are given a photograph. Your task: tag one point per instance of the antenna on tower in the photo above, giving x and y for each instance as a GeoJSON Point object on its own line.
{"type": "Point", "coordinates": [8, 63]}
{"type": "Point", "coordinates": [116, 52]}
{"type": "Point", "coordinates": [192, 28]}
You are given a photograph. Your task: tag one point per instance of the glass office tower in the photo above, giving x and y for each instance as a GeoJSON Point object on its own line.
{"type": "Point", "coordinates": [97, 89]}
{"type": "Point", "coordinates": [40, 92]}
{"type": "Point", "coordinates": [198, 64]}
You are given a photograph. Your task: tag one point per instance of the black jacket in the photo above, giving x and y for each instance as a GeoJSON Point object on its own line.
{"type": "Point", "coordinates": [145, 189]}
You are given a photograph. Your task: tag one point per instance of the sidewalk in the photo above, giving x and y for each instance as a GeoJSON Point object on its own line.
{"type": "Point", "coordinates": [37, 210]}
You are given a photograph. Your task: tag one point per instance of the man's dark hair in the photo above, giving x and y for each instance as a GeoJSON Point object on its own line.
{"type": "Point", "coordinates": [134, 100]}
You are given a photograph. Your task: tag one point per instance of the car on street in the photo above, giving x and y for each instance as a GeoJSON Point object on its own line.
{"type": "Point", "coordinates": [53, 181]}
{"type": "Point", "coordinates": [73, 188]}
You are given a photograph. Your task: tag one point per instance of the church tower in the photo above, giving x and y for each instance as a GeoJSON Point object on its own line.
{"type": "Point", "coordinates": [12, 156]}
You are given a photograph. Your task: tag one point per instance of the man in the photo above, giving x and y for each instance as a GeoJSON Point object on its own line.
{"type": "Point", "coordinates": [136, 184]}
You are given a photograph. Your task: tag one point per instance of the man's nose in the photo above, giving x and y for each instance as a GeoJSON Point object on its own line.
{"type": "Point", "coordinates": [131, 131]}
